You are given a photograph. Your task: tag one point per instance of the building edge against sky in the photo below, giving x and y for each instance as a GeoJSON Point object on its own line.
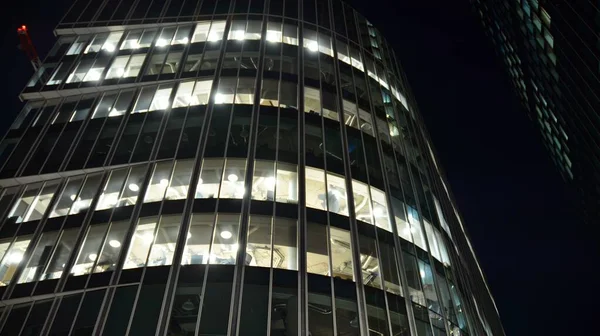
{"type": "Point", "coordinates": [552, 53]}
{"type": "Point", "coordinates": [228, 167]}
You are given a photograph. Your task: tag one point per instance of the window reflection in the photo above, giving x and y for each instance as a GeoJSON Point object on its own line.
{"type": "Point", "coordinates": [12, 258]}
{"type": "Point", "coordinates": [198, 240]}
{"type": "Point", "coordinates": [40, 256]}
{"type": "Point", "coordinates": [109, 255]}
{"type": "Point", "coordinates": [141, 243]}
{"type": "Point", "coordinates": [233, 179]}
{"type": "Point", "coordinates": [112, 189]}
{"type": "Point", "coordinates": [225, 245]}
{"type": "Point", "coordinates": [163, 248]}
{"type": "Point", "coordinates": [341, 254]}
{"type": "Point", "coordinates": [259, 249]}
{"type": "Point", "coordinates": [317, 250]}
{"type": "Point", "coordinates": [210, 178]}
{"type": "Point", "coordinates": [428, 286]}
{"type": "Point", "coordinates": [83, 201]}
{"type": "Point", "coordinates": [61, 254]}
{"type": "Point", "coordinates": [159, 182]}
{"type": "Point", "coordinates": [33, 202]}
{"type": "Point", "coordinates": [88, 254]}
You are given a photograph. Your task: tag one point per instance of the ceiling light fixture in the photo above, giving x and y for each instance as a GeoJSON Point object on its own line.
{"type": "Point", "coordinates": [270, 182]}
{"type": "Point", "coordinates": [114, 243]}
{"type": "Point", "coordinates": [232, 178]}
{"type": "Point", "coordinates": [92, 256]}
{"type": "Point", "coordinates": [133, 187]}
{"type": "Point", "coordinates": [226, 234]}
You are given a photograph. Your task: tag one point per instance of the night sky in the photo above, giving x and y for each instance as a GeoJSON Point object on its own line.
{"type": "Point", "coordinates": [535, 253]}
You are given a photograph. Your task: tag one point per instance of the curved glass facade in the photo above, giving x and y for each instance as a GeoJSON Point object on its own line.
{"type": "Point", "coordinates": [228, 168]}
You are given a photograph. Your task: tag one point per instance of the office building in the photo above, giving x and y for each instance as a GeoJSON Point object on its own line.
{"type": "Point", "coordinates": [552, 52]}
{"type": "Point", "coordinates": [228, 168]}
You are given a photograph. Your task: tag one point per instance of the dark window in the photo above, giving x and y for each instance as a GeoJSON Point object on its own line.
{"type": "Point", "coordinates": [217, 299]}
{"type": "Point", "coordinates": [147, 310]}
{"type": "Point", "coordinates": [64, 316]}
{"type": "Point", "coordinates": [88, 313]}
{"type": "Point", "coordinates": [120, 311]}
{"type": "Point", "coordinates": [37, 318]}
{"type": "Point", "coordinates": [15, 319]}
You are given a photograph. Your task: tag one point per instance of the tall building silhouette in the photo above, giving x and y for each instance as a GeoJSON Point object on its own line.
{"type": "Point", "coordinates": [228, 168]}
{"type": "Point", "coordinates": [552, 53]}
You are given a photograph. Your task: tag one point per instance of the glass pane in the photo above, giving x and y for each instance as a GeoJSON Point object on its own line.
{"type": "Point", "coordinates": [132, 187]}
{"type": "Point", "coordinates": [144, 99]}
{"type": "Point", "coordinates": [201, 93]}
{"type": "Point", "coordinates": [181, 36]}
{"type": "Point", "coordinates": [432, 239]}
{"type": "Point", "coordinates": [216, 31]}
{"type": "Point", "coordinates": [61, 254]}
{"type": "Point", "coordinates": [201, 32]}
{"type": "Point", "coordinates": [415, 228]}
{"type": "Point", "coordinates": [140, 243]}
{"type": "Point", "coordinates": [165, 37]}
{"type": "Point", "coordinates": [117, 68]}
{"type": "Point", "coordinates": [233, 179]}
{"type": "Point", "coordinates": [37, 317]}
{"type": "Point", "coordinates": [184, 94]}
{"type": "Point", "coordinates": [337, 200]}
{"type": "Point", "coordinates": [413, 276]}
{"type": "Point", "coordinates": [159, 182]}
{"type": "Point", "coordinates": [285, 244]}
{"type": "Point", "coordinates": [131, 40]}
{"type": "Point", "coordinates": [24, 202]}
{"type": "Point", "coordinates": [15, 319]}
{"type": "Point", "coordinates": [198, 240]}
{"type": "Point", "coordinates": [40, 256]}
{"type": "Point", "coordinates": [89, 250]}
{"type": "Point", "coordinates": [88, 312]}
{"type": "Point", "coordinates": [287, 183]}
{"type": "Point", "coordinates": [134, 66]}
{"type": "Point", "coordinates": [263, 181]}
{"type": "Point", "coordinates": [12, 259]}
{"type": "Point", "coordinates": [112, 189]}
{"type": "Point", "coordinates": [41, 202]}
{"type": "Point", "coordinates": [258, 249]}
{"type": "Point", "coordinates": [172, 62]}
{"type": "Point", "coordinates": [180, 180]}
{"type": "Point", "coordinates": [146, 38]}
{"type": "Point", "coordinates": [341, 254]}
{"type": "Point", "coordinates": [210, 178]}
{"type": "Point", "coordinates": [369, 262]}
{"type": "Point", "coordinates": [315, 189]}
{"type": "Point", "coordinates": [111, 250]}
{"type": "Point", "coordinates": [429, 286]}
{"type": "Point", "coordinates": [161, 98]}
{"type": "Point", "coordinates": [380, 211]}
{"type": "Point", "coordinates": [89, 190]}
{"type": "Point", "coordinates": [112, 41]}
{"type": "Point", "coordinates": [103, 109]}
{"type": "Point", "coordinates": [317, 255]}
{"type": "Point", "coordinates": [122, 104]}
{"type": "Point", "coordinates": [362, 204]}
{"type": "Point", "coordinates": [166, 237]}
{"type": "Point", "coordinates": [120, 311]}
{"type": "Point", "coordinates": [224, 246]}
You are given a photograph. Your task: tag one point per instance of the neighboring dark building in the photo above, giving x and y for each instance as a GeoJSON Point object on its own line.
{"type": "Point", "coordinates": [228, 168]}
{"type": "Point", "coordinates": [552, 51]}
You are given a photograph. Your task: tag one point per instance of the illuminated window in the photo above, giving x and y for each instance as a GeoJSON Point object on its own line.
{"type": "Point", "coordinates": [12, 259]}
